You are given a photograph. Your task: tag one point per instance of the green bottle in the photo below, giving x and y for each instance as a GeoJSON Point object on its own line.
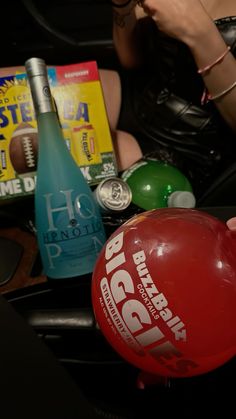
{"type": "Point", "coordinates": [156, 184]}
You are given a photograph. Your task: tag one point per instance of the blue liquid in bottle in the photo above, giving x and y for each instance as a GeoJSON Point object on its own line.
{"type": "Point", "coordinates": [69, 226]}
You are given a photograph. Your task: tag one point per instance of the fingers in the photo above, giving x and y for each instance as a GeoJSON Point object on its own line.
{"type": "Point", "coordinates": [231, 223]}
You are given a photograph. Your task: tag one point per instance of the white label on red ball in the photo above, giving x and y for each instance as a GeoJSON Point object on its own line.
{"type": "Point", "coordinates": [135, 320]}
{"type": "Point", "coordinates": [117, 318]}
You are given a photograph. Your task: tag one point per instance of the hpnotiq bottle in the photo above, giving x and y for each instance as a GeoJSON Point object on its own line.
{"type": "Point", "coordinates": [69, 226]}
{"type": "Point", "coordinates": [156, 184]}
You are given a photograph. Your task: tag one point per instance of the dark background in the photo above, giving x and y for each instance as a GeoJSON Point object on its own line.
{"type": "Point", "coordinates": [60, 31]}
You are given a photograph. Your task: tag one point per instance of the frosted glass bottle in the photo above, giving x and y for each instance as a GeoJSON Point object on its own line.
{"type": "Point", "coordinates": [69, 226]}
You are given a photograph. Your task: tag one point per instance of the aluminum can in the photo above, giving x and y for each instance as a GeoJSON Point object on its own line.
{"type": "Point", "coordinates": [113, 195]}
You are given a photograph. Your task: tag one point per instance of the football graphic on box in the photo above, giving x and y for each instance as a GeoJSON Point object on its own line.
{"type": "Point", "coordinates": [23, 148]}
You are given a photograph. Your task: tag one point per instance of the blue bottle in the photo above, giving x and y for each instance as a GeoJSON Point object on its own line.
{"type": "Point", "coordinates": [69, 226]}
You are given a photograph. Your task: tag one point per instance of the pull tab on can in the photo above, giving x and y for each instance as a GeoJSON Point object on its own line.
{"type": "Point", "coordinates": [113, 195]}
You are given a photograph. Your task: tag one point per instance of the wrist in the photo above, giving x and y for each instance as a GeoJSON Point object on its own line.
{"type": "Point", "coordinates": [124, 15]}
{"type": "Point", "coordinates": [207, 45]}
{"type": "Point", "coordinates": [199, 34]}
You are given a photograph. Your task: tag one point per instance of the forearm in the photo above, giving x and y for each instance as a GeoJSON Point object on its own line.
{"type": "Point", "coordinates": [206, 46]}
{"type": "Point", "coordinates": [125, 34]}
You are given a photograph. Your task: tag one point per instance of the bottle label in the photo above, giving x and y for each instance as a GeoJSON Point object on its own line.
{"type": "Point", "coordinates": [71, 234]}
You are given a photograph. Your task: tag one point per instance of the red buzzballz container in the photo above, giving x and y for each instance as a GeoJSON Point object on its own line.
{"type": "Point", "coordinates": [164, 292]}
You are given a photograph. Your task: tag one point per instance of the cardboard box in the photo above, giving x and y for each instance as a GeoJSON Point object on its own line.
{"type": "Point", "coordinates": [80, 104]}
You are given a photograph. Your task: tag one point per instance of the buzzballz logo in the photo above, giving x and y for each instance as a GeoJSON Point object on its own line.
{"type": "Point", "coordinates": [136, 319]}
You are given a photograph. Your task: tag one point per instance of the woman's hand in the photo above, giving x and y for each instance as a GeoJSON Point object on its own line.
{"type": "Point", "coordinates": [181, 19]}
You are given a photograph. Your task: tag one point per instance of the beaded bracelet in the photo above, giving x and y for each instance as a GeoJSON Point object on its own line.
{"type": "Point", "coordinates": [120, 6]}
{"type": "Point", "coordinates": [217, 61]}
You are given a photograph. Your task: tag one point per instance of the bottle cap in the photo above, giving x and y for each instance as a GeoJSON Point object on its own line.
{"type": "Point", "coordinates": [36, 71]}
{"type": "Point", "coordinates": [181, 199]}
{"type": "Point", "coordinates": [35, 67]}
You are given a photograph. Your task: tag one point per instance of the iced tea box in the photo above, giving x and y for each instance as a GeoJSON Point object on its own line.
{"type": "Point", "coordinates": [81, 109]}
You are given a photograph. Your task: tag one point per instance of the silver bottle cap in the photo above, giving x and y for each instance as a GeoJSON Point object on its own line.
{"type": "Point", "coordinates": [113, 194]}
{"type": "Point", "coordinates": [181, 199]}
{"type": "Point", "coordinates": [36, 71]}
{"type": "Point", "coordinates": [35, 67]}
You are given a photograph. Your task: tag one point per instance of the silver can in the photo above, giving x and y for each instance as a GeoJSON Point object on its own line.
{"type": "Point", "coordinates": [113, 195]}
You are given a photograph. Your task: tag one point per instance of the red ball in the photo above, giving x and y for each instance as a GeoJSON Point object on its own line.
{"type": "Point", "coordinates": [164, 292]}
